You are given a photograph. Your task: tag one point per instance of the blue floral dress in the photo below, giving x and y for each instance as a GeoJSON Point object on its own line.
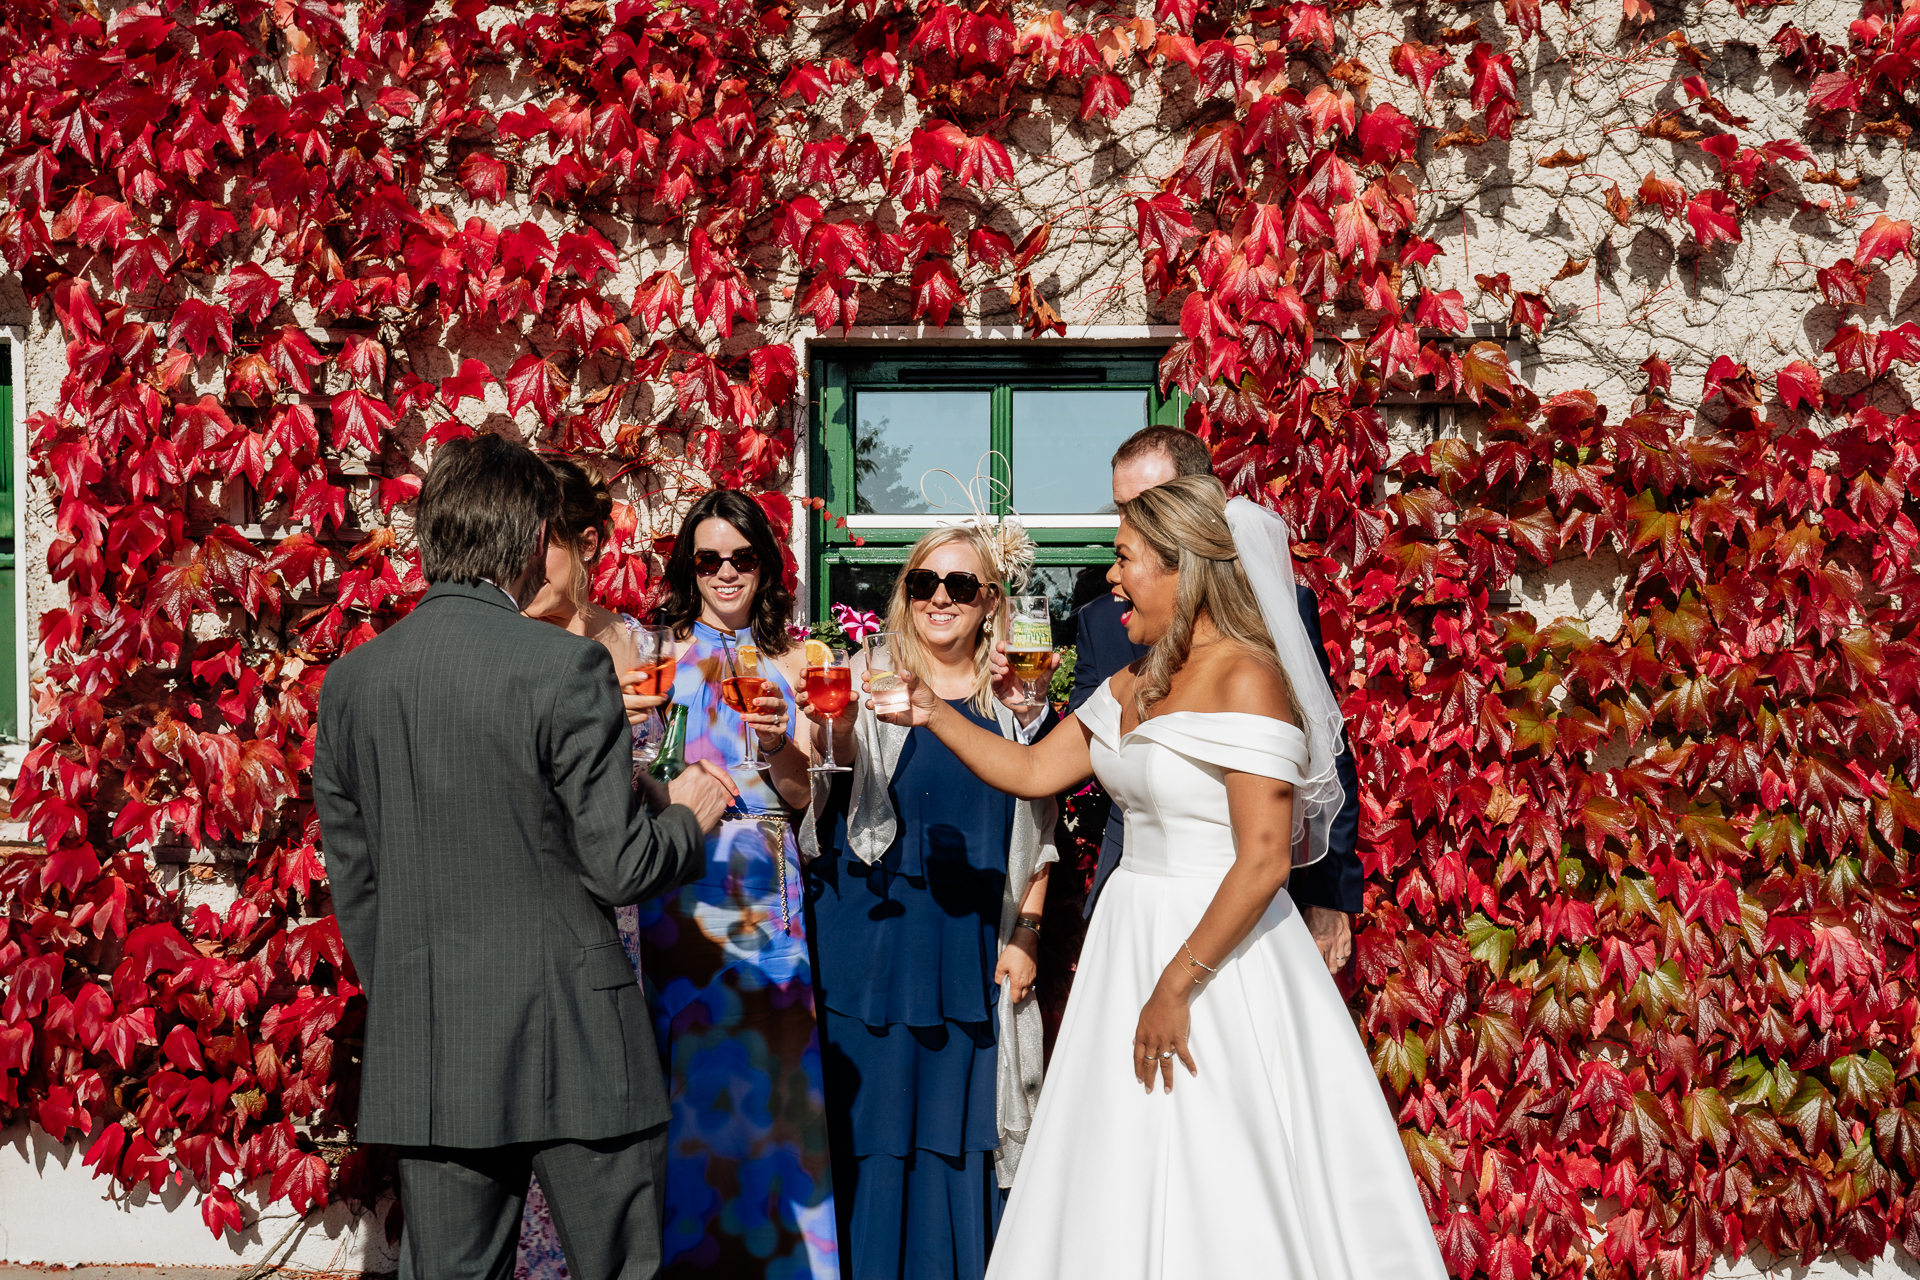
{"type": "Point", "coordinates": [724, 962]}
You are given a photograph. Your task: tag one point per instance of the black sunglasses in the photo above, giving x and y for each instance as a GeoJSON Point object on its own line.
{"type": "Point", "coordinates": [707, 563]}
{"type": "Point", "coordinates": [961, 587]}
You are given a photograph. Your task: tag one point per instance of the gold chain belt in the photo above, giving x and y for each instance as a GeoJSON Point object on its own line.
{"type": "Point", "coordinates": [782, 825]}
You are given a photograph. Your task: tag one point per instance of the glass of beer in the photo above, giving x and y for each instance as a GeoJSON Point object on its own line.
{"type": "Point", "coordinates": [742, 686]}
{"type": "Point", "coordinates": [829, 688]}
{"type": "Point", "coordinates": [651, 677]}
{"type": "Point", "coordinates": [1030, 643]}
{"type": "Point", "coordinates": [883, 674]}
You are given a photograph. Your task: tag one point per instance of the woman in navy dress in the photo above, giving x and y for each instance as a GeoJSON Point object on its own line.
{"type": "Point", "coordinates": [923, 910]}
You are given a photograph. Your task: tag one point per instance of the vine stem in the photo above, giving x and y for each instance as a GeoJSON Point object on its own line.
{"type": "Point", "coordinates": [267, 1265]}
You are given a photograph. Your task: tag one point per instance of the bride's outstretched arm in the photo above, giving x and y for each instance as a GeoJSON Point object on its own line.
{"type": "Point", "coordinates": [1048, 767]}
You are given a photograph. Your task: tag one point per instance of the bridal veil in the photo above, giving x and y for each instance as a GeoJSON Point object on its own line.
{"type": "Point", "coordinates": [1265, 547]}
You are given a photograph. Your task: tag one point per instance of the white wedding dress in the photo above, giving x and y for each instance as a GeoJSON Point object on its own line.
{"type": "Point", "coordinates": [1281, 1160]}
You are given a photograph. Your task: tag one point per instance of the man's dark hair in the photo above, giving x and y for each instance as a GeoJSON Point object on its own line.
{"type": "Point", "coordinates": [480, 510]}
{"type": "Point", "coordinates": [772, 597]}
{"type": "Point", "coordinates": [1188, 451]}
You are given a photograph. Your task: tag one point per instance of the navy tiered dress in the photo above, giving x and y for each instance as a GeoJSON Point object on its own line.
{"type": "Point", "coordinates": [906, 950]}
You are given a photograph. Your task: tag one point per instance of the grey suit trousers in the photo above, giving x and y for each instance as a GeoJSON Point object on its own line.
{"type": "Point", "coordinates": [463, 1206]}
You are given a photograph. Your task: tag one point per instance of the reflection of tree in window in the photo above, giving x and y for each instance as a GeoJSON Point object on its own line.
{"type": "Point", "coordinates": [880, 484]}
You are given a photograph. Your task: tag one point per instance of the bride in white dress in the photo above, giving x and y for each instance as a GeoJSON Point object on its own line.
{"type": "Point", "coordinates": [1209, 1110]}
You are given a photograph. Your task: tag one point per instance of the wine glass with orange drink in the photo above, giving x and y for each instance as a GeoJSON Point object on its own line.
{"type": "Point", "coordinates": [829, 683]}
{"type": "Point", "coordinates": [651, 677]}
{"type": "Point", "coordinates": [742, 686]}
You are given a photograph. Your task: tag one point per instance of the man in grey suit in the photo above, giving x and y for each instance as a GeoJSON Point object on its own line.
{"type": "Point", "coordinates": [473, 777]}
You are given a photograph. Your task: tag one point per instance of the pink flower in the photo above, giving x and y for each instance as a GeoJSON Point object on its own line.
{"type": "Point", "coordinates": [798, 633]}
{"type": "Point", "coordinates": [857, 623]}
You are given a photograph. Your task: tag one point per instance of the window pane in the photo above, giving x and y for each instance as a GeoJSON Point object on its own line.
{"type": "Point", "coordinates": [1067, 587]}
{"type": "Point", "coordinates": [899, 436]}
{"type": "Point", "coordinates": [863, 586]}
{"type": "Point", "coordinates": [1061, 443]}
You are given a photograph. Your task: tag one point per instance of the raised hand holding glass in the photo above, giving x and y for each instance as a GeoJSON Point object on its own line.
{"type": "Point", "coordinates": [742, 686]}
{"type": "Point", "coordinates": [829, 689]}
{"type": "Point", "coordinates": [1030, 643]}
{"type": "Point", "coordinates": [884, 682]}
{"type": "Point", "coordinates": [652, 677]}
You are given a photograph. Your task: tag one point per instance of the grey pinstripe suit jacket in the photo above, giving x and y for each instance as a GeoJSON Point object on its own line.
{"type": "Point", "coordinates": [472, 774]}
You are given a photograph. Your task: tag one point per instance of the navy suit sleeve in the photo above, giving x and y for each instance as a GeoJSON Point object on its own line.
{"type": "Point", "coordinates": [1336, 881]}
{"type": "Point", "coordinates": [1087, 674]}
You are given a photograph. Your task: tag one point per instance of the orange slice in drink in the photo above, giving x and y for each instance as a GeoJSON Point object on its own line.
{"type": "Point", "coordinates": [749, 656]}
{"type": "Point", "coordinates": [819, 653]}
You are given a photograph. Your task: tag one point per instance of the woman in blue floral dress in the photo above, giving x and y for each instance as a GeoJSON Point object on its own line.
{"type": "Point", "coordinates": [724, 960]}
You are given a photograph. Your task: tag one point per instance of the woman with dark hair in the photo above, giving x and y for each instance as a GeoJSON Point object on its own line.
{"type": "Point", "coordinates": [725, 958]}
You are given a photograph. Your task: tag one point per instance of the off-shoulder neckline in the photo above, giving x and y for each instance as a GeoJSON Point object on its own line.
{"type": "Point", "coordinates": [1107, 690]}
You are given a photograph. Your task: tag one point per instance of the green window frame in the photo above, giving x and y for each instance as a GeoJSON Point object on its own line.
{"type": "Point", "coordinates": [840, 375]}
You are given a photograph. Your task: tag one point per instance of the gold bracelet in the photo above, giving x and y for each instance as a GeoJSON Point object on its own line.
{"type": "Point", "coordinates": [1196, 959]}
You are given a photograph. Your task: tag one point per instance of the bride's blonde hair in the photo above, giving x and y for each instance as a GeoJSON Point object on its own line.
{"type": "Point", "coordinates": [1184, 522]}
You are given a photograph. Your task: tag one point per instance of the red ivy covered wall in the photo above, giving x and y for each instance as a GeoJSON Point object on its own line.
{"type": "Point", "coordinates": [1638, 965]}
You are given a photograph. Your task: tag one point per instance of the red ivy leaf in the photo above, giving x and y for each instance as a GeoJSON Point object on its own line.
{"type": "Point", "coordinates": [1444, 309]}
{"type": "Point", "coordinates": [1834, 91]}
{"type": "Point", "coordinates": [936, 291]}
{"type": "Point", "coordinates": [1885, 238]}
{"type": "Point", "coordinates": [533, 380]}
{"type": "Point", "coordinates": [1164, 223]}
{"type": "Point", "coordinates": [483, 177]}
{"type": "Point", "coordinates": [359, 419]}
{"type": "Point", "coordinates": [201, 325]}
{"type": "Point", "coordinates": [470, 383]}
{"type": "Point", "coordinates": [1419, 63]}
{"type": "Point", "coordinates": [1660, 194]}
{"type": "Point", "coordinates": [1798, 384]}
{"type": "Point", "coordinates": [1387, 137]}
{"type": "Point", "coordinates": [776, 372]}
{"type": "Point", "coordinates": [252, 291]}
{"type": "Point", "coordinates": [302, 1181]}
{"type": "Point", "coordinates": [1714, 218]}
{"type": "Point", "coordinates": [585, 253]}
{"type": "Point", "coordinates": [221, 1212]}
{"type": "Point", "coordinates": [1104, 97]}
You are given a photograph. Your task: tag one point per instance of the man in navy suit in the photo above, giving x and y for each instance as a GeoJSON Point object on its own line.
{"type": "Point", "coordinates": [1328, 892]}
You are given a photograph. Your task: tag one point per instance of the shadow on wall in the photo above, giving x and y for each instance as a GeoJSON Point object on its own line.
{"type": "Point", "coordinates": [54, 1211]}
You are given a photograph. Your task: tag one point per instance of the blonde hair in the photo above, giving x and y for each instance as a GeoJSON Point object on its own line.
{"type": "Point", "coordinates": [579, 588]}
{"type": "Point", "coordinates": [913, 654]}
{"type": "Point", "coordinates": [1184, 522]}
{"type": "Point", "coordinates": [585, 507]}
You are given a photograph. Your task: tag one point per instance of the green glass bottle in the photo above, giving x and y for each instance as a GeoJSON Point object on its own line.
{"type": "Point", "coordinates": [672, 760]}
